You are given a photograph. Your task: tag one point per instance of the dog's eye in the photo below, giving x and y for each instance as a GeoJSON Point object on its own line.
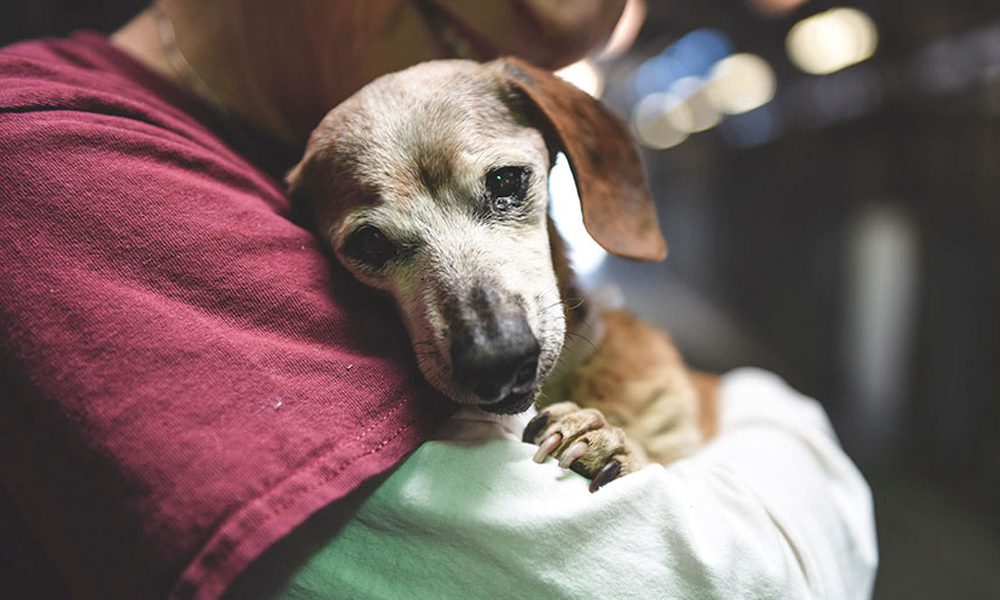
{"type": "Point", "coordinates": [370, 247]}
{"type": "Point", "coordinates": [505, 186]}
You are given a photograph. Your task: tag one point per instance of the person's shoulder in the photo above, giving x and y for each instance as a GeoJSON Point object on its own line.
{"type": "Point", "coordinates": [45, 75]}
{"type": "Point", "coordinates": [83, 73]}
{"type": "Point", "coordinates": [76, 105]}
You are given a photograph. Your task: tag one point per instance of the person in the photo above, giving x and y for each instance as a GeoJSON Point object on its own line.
{"type": "Point", "coordinates": [188, 381]}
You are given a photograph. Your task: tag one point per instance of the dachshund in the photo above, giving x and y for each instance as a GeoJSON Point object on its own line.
{"type": "Point", "coordinates": [430, 184]}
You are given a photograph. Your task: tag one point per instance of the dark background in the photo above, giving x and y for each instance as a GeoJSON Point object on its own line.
{"type": "Point", "coordinates": [855, 252]}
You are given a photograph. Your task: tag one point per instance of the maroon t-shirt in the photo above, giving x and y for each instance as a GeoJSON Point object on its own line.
{"type": "Point", "coordinates": [184, 375]}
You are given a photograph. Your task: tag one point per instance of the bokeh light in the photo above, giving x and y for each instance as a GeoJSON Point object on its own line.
{"type": "Point", "coordinates": [698, 114]}
{"type": "Point", "coordinates": [740, 83]}
{"type": "Point", "coordinates": [652, 123]}
{"type": "Point", "coordinates": [693, 85]}
{"type": "Point", "coordinates": [693, 55]}
{"type": "Point", "coordinates": [832, 40]}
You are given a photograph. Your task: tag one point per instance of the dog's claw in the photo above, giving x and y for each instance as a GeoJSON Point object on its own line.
{"type": "Point", "coordinates": [548, 446]}
{"type": "Point", "coordinates": [583, 441]}
{"type": "Point", "coordinates": [579, 468]}
{"type": "Point", "coordinates": [608, 472]}
{"type": "Point", "coordinates": [534, 427]}
{"type": "Point", "coordinates": [575, 451]}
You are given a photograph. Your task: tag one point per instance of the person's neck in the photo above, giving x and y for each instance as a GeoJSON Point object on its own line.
{"type": "Point", "coordinates": [206, 63]}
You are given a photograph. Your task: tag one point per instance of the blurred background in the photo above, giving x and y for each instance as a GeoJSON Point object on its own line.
{"type": "Point", "coordinates": [827, 178]}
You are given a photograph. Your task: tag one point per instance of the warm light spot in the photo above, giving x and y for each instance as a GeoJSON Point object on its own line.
{"type": "Point", "coordinates": [651, 122]}
{"type": "Point", "coordinates": [696, 113]}
{"type": "Point", "coordinates": [740, 83]}
{"type": "Point", "coordinates": [832, 40]}
{"type": "Point", "coordinates": [584, 75]}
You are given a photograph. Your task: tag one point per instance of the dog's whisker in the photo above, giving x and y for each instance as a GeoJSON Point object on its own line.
{"type": "Point", "coordinates": [574, 303]}
{"type": "Point", "coordinates": [570, 355]}
{"type": "Point", "coordinates": [567, 304]}
{"type": "Point", "coordinates": [583, 338]}
{"type": "Point", "coordinates": [569, 351]}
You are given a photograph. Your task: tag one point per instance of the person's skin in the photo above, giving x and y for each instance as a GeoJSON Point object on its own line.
{"type": "Point", "coordinates": [283, 65]}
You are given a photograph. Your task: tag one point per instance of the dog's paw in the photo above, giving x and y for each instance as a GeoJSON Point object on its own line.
{"type": "Point", "coordinates": [584, 441]}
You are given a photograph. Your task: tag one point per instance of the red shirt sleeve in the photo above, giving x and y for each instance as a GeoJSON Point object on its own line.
{"type": "Point", "coordinates": [184, 377]}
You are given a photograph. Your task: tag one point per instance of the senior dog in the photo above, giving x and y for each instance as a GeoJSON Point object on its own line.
{"type": "Point", "coordinates": [431, 185]}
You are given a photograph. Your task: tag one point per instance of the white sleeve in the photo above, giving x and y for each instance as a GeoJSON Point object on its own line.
{"type": "Point", "coordinates": [772, 508]}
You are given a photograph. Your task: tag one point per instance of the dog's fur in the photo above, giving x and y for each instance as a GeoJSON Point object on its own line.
{"type": "Point", "coordinates": [394, 180]}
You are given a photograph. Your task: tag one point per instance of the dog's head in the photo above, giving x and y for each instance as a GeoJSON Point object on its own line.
{"type": "Point", "coordinates": [431, 184]}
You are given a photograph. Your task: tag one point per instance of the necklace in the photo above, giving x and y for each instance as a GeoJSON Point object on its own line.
{"type": "Point", "coordinates": [180, 65]}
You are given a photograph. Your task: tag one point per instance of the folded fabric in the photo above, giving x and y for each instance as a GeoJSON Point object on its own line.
{"type": "Point", "coordinates": [772, 508]}
{"type": "Point", "coordinates": [184, 378]}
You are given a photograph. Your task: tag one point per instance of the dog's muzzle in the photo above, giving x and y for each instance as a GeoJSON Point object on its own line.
{"type": "Point", "coordinates": [494, 354]}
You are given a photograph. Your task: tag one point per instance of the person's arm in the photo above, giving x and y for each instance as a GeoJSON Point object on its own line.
{"type": "Point", "coordinates": [772, 508]}
{"type": "Point", "coordinates": [181, 379]}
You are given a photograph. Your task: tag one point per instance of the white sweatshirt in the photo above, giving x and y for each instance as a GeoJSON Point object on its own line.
{"type": "Point", "coordinates": [771, 509]}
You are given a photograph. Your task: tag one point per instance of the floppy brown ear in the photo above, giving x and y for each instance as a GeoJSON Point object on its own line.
{"type": "Point", "coordinates": [617, 209]}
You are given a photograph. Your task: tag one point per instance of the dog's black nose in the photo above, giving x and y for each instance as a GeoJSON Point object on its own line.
{"type": "Point", "coordinates": [495, 358]}
{"type": "Point", "coordinates": [493, 372]}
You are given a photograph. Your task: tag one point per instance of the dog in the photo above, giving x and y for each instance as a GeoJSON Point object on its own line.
{"type": "Point", "coordinates": [430, 184]}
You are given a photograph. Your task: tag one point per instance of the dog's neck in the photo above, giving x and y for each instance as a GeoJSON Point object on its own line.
{"type": "Point", "coordinates": [573, 302]}
{"type": "Point", "coordinates": [582, 340]}
{"type": "Point", "coordinates": [583, 326]}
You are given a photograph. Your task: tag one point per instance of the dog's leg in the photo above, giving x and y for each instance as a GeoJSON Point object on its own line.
{"type": "Point", "coordinates": [630, 400]}
{"type": "Point", "coordinates": [637, 378]}
{"type": "Point", "coordinates": [707, 386]}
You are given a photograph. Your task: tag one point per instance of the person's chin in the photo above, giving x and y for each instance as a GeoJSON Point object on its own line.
{"type": "Point", "coordinates": [462, 32]}
{"type": "Point", "coordinates": [455, 36]}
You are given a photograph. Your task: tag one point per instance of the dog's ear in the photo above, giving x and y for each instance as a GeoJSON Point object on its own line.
{"type": "Point", "coordinates": [617, 209]}
{"type": "Point", "coordinates": [299, 190]}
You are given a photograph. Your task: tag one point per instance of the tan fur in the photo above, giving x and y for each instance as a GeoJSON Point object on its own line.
{"type": "Point", "coordinates": [707, 385]}
{"type": "Point", "coordinates": [636, 377]}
